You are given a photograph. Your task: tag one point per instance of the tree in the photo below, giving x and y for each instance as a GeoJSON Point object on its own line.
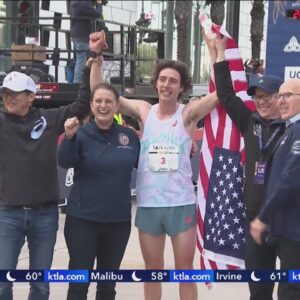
{"type": "Point", "coordinates": [182, 19]}
{"type": "Point", "coordinates": [217, 11]}
{"type": "Point", "coordinates": [257, 28]}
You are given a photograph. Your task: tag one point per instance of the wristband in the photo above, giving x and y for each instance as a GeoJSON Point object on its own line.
{"type": "Point", "coordinates": [94, 54]}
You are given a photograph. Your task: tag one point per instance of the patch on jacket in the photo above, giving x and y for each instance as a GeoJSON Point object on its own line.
{"type": "Point", "coordinates": [38, 129]}
{"type": "Point", "coordinates": [69, 177]}
{"type": "Point", "coordinates": [123, 139]}
{"type": "Point", "coordinates": [257, 129]}
{"type": "Point", "coordinates": [296, 147]}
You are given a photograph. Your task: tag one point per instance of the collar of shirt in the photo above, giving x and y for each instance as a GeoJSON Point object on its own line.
{"type": "Point", "coordinates": [292, 120]}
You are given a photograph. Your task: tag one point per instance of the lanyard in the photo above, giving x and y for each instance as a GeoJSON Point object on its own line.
{"type": "Point", "coordinates": [118, 118]}
{"type": "Point", "coordinates": [269, 141]}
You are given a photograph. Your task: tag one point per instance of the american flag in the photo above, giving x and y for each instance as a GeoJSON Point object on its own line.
{"type": "Point", "coordinates": [225, 212]}
{"type": "Point", "coordinates": [221, 214]}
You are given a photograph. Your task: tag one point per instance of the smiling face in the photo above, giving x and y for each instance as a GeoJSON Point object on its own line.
{"type": "Point", "coordinates": [17, 103]}
{"type": "Point", "coordinates": [168, 85]}
{"type": "Point", "coordinates": [103, 106]}
{"type": "Point", "coordinates": [289, 99]}
{"type": "Point", "coordinates": [266, 104]}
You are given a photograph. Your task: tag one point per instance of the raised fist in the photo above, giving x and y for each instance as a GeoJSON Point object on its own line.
{"type": "Point", "coordinates": [71, 126]}
{"type": "Point", "coordinates": [98, 41]}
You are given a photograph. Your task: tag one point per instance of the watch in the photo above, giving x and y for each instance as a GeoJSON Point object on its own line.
{"type": "Point", "coordinates": [94, 54]}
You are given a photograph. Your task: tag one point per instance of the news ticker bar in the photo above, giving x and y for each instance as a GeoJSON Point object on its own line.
{"type": "Point", "coordinates": [150, 276]}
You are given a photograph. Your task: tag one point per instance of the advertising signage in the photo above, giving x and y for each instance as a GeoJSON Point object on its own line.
{"type": "Point", "coordinates": [283, 39]}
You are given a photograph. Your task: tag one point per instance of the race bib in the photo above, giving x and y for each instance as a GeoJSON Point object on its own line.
{"type": "Point", "coordinates": [163, 158]}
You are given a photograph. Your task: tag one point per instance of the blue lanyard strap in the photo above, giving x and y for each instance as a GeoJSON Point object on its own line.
{"type": "Point", "coordinates": [269, 141]}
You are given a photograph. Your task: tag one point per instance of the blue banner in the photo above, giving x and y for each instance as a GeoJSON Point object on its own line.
{"type": "Point", "coordinates": [294, 276]}
{"type": "Point", "coordinates": [66, 276]}
{"type": "Point", "coordinates": [191, 276]}
{"type": "Point", "coordinates": [283, 39]}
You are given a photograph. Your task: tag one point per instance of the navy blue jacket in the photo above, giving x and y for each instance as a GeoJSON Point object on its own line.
{"type": "Point", "coordinates": [102, 161]}
{"type": "Point", "coordinates": [80, 29]}
{"type": "Point", "coordinates": [282, 206]}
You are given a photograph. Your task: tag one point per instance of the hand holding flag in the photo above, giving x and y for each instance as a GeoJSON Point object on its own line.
{"type": "Point", "coordinates": [221, 215]}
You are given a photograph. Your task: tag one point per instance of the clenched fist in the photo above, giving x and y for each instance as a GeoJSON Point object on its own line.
{"type": "Point", "coordinates": [97, 41]}
{"type": "Point", "coordinates": [71, 126]}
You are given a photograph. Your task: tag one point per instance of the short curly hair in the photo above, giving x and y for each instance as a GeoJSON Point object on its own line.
{"type": "Point", "coordinates": [180, 67]}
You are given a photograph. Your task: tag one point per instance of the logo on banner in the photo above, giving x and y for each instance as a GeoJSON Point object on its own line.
{"type": "Point", "coordinates": [292, 46]}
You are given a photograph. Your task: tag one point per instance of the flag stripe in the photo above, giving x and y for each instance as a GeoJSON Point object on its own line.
{"type": "Point", "coordinates": [209, 132]}
{"type": "Point", "coordinates": [235, 138]}
{"type": "Point", "coordinates": [232, 54]}
{"type": "Point", "coordinates": [231, 44]}
{"type": "Point", "coordinates": [240, 86]}
{"type": "Point", "coordinates": [235, 64]}
{"type": "Point", "coordinates": [238, 76]}
{"type": "Point", "coordinates": [221, 125]}
{"type": "Point", "coordinates": [243, 95]}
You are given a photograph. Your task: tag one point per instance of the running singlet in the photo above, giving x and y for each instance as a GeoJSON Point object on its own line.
{"type": "Point", "coordinates": [164, 175]}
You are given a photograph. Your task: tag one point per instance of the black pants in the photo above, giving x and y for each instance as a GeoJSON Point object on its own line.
{"type": "Point", "coordinates": [288, 252]}
{"type": "Point", "coordinates": [87, 240]}
{"type": "Point", "coordinates": [259, 257]}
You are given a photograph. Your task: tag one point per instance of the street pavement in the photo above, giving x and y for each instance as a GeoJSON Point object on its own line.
{"type": "Point", "coordinates": [132, 260]}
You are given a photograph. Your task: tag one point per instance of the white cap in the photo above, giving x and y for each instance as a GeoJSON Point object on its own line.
{"type": "Point", "coordinates": [18, 82]}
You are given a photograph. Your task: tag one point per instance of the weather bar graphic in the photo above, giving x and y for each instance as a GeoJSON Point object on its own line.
{"type": "Point", "coordinates": [149, 276]}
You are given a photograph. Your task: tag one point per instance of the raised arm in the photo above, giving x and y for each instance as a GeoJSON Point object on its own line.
{"type": "Point", "coordinates": [136, 109]}
{"type": "Point", "coordinates": [68, 153]}
{"type": "Point", "coordinates": [196, 110]}
{"type": "Point", "coordinates": [97, 43]}
{"type": "Point", "coordinates": [234, 106]}
{"type": "Point", "coordinates": [211, 46]}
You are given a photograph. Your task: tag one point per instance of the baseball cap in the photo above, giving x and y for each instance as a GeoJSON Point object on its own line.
{"type": "Point", "coordinates": [268, 83]}
{"type": "Point", "coordinates": [18, 82]}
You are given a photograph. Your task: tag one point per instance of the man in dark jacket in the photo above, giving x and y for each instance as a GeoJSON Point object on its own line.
{"type": "Point", "coordinates": [281, 209]}
{"type": "Point", "coordinates": [261, 130]}
{"type": "Point", "coordinates": [28, 175]}
{"type": "Point", "coordinates": [83, 14]}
